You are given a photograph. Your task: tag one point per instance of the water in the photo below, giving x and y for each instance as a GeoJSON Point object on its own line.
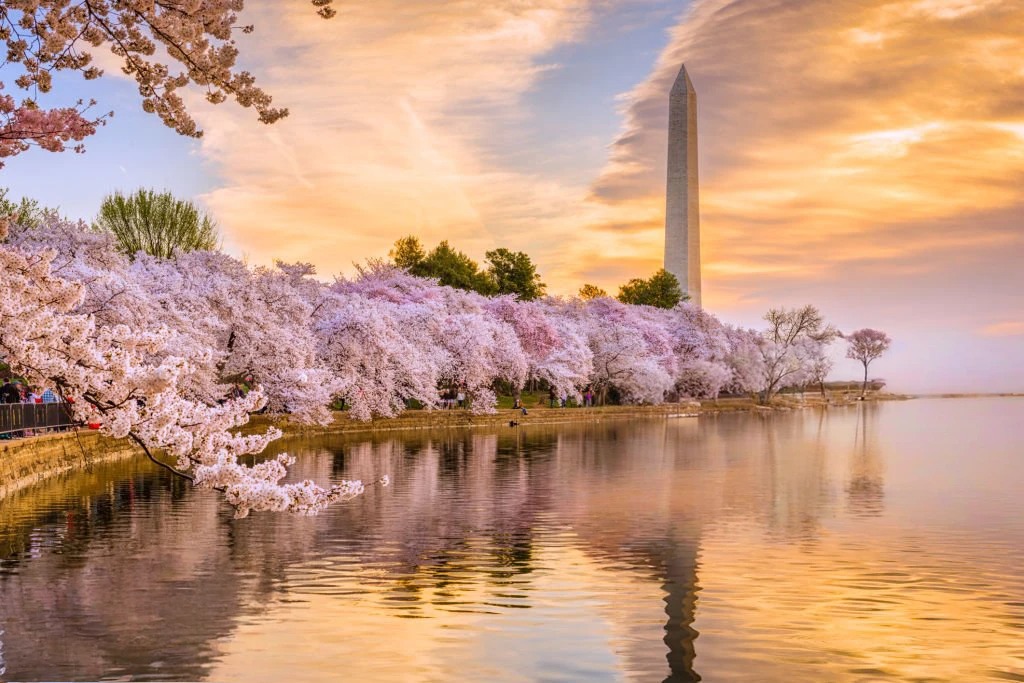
{"type": "Point", "coordinates": [881, 542]}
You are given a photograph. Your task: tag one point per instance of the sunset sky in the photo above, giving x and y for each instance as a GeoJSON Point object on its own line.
{"type": "Point", "coordinates": [866, 156]}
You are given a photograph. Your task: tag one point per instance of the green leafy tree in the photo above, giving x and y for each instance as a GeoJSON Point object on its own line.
{"type": "Point", "coordinates": [408, 254]}
{"type": "Point", "coordinates": [157, 224]}
{"type": "Point", "coordinates": [661, 290]}
{"type": "Point", "coordinates": [589, 291]}
{"type": "Point", "coordinates": [513, 272]}
{"type": "Point", "coordinates": [25, 212]}
{"type": "Point", "coordinates": [455, 269]}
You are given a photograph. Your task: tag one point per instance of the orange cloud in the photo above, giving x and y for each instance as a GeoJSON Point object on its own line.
{"type": "Point", "coordinates": [1009, 328]}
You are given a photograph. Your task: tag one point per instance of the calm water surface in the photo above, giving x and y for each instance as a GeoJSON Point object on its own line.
{"type": "Point", "coordinates": [873, 543]}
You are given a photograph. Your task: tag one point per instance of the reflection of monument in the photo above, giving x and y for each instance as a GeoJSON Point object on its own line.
{"type": "Point", "coordinates": [681, 586]}
{"type": "Point", "coordinates": [682, 209]}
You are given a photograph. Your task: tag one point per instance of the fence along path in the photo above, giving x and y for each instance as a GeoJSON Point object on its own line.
{"type": "Point", "coordinates": [19, 417]}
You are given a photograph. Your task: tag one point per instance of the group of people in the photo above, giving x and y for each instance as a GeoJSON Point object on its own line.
{"type": "Point", "coordinates": [557, 401]}
{"type": "Point", "coordinates": [453, 397]}
{"type": "Point", "coordinates": [14, 392]}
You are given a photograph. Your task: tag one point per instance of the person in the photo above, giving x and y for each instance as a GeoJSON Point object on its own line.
{"type": "Point", "coordinates": [9, 395]}
{"type": "Point", "coordinates": [552, 396]}
{"type": "Point", "coordinates": [9, 392]}
{"type": "Point", "coordinates": [47, 396]}
{"type": "Point", "coordinates": [588, 398]}
{"type": "Point", "coordinates": [460, 398]}
{"type": "Point", "coordinates": [30, 396]}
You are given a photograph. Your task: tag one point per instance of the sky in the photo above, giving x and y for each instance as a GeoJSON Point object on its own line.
{"type": "Point", "coordinates": [866, 156]}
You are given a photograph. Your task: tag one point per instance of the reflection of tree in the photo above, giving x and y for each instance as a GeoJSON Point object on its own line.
{"type": "Point", "coordinates": [795, 472]}
{"type": "Point", "coordinates": [866, 490]}
{"type": "Point", "coordinates": [468, 518]}
{"type": "Point", "coordinates": [74, 605]}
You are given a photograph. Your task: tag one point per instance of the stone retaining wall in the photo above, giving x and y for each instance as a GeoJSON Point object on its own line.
{"type": "Point", "coordinates": [24, 462]}
{"type": "Point", "coordinates": [463, 419]}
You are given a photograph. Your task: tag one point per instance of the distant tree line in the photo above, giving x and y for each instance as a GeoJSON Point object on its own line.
{"type": "Point", "coordinates": [513, 272]}
{"type": "Point", "coordinates": [506, 271]}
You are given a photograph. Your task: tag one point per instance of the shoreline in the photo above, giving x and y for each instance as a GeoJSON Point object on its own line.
{"type": "Point", "coordinates": [30, 461]}
{"type": "Point", "coordinates": [463, 419]}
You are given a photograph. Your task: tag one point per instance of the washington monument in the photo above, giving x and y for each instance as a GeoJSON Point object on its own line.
{"type": "Point", "coordinates": [682, 207]}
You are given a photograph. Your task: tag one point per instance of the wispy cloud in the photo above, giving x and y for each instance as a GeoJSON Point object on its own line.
{"type": "Point", "coordinates": [400, 112]}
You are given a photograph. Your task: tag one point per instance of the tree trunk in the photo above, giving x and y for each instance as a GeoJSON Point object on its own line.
{"type": "Point", "coordinates": [864, 387]}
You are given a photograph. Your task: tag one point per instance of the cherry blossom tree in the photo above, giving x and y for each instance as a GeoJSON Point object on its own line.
{"type": "Point", "coordinates": [865, 346]}
{"type": "Point", "coordinates": [555, 348]}
{"type": "Point", "coordinates": [702, 347]}
{"type": "Point", "coordinates": [630, 354]}
{"type": "Point", "coordinates": [25, 125]}
{"type": "Point", "coordinates": [744, 360]}
{"type": "Point", "coordinates": [132, 379]}
{"type": "Point", "coordinates": [469, 346]}
{"type": "Point", "coordinates": [229, 321]}
{"type": "Point", "coordinates": [783, 364]}
{"type": "Point", "coordinates": [380, 353]}
{"type": "Point", "coordinates": [165, 46]}
{"type": "Point", "coordinates": [818, 363]}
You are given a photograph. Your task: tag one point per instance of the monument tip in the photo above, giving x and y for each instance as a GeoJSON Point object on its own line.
{"type": "Point", "coordinates": [682, 81]}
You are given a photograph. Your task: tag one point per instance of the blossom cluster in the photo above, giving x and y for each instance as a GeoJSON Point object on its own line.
{"type": "Point", "coordinates": [158, 347]}
{"type": "Point", "coordinates": [164, 46]}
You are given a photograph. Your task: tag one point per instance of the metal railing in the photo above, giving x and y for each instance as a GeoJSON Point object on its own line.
{"type": "Point", "coordinates": [17, 418]}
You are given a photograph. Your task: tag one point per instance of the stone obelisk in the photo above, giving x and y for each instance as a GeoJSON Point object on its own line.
{"type": "Point", "coordinates": [682, 207]}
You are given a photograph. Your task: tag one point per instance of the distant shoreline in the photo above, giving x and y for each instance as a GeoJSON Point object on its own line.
{"type": "Point", "coordinates": [974, 395]}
